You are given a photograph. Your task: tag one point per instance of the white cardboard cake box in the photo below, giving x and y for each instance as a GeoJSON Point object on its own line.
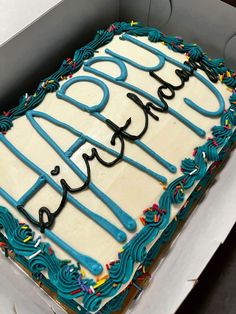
{"type": "Point", "coordinates": [205, 230]}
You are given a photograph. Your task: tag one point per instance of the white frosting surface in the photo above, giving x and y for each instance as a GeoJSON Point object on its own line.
{"type": "Point", "coordinates": [132, 189]}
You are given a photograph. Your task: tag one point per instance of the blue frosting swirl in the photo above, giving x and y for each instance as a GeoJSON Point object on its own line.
{"type": "Point", "coordinates": [68, 278]}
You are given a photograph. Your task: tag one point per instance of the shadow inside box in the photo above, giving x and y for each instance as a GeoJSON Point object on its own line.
{"type": "Point", "coordinates": [45, 67]}
{"type": "Point", "coordinates": [231, 2]}
{"type": "Point", "coordinates": [215, 291]}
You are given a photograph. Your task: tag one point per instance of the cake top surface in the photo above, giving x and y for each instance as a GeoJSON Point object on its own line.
{"type": "Point", "coordinates": [82, 138]}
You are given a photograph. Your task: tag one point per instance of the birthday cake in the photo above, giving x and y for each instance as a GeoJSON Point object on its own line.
{"type": "Point", "coordinates": [101, 164]}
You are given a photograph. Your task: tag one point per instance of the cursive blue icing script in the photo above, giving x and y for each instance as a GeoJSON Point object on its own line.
{"type": "Point", "coordinates": [91, 109]}
{"type": "Point", "coordinates": [89, 263]}
{"type": "Point", "coordinates": [201, 78]}
{"type": "Point", "coordinates": [83, 138]}
{"type": "Point", "coordinates": [118, 234]}
{"type": "Point", "coordinates": [137, 65]}
{"type": "Point", "coordinates": [124, 218]}
{"type": "Point", "coordinates": [123, 83]}
{"type": "Point", "coordinates": [61, 93]}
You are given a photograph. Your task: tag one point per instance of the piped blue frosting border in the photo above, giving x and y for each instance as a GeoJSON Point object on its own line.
{"type": "Point", "coordinates": [68, 279]}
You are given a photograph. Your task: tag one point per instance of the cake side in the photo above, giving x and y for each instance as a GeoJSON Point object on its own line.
{"type": "Point", "coordinates": [155, 218]}
{"type": "Point", "coordinates": [108, 180]}
{"type": "Point", "coordinates": [156, 255]}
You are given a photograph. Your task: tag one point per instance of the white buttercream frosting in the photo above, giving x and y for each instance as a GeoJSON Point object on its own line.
{"type": "Point", "coordinates": [132, 189]}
